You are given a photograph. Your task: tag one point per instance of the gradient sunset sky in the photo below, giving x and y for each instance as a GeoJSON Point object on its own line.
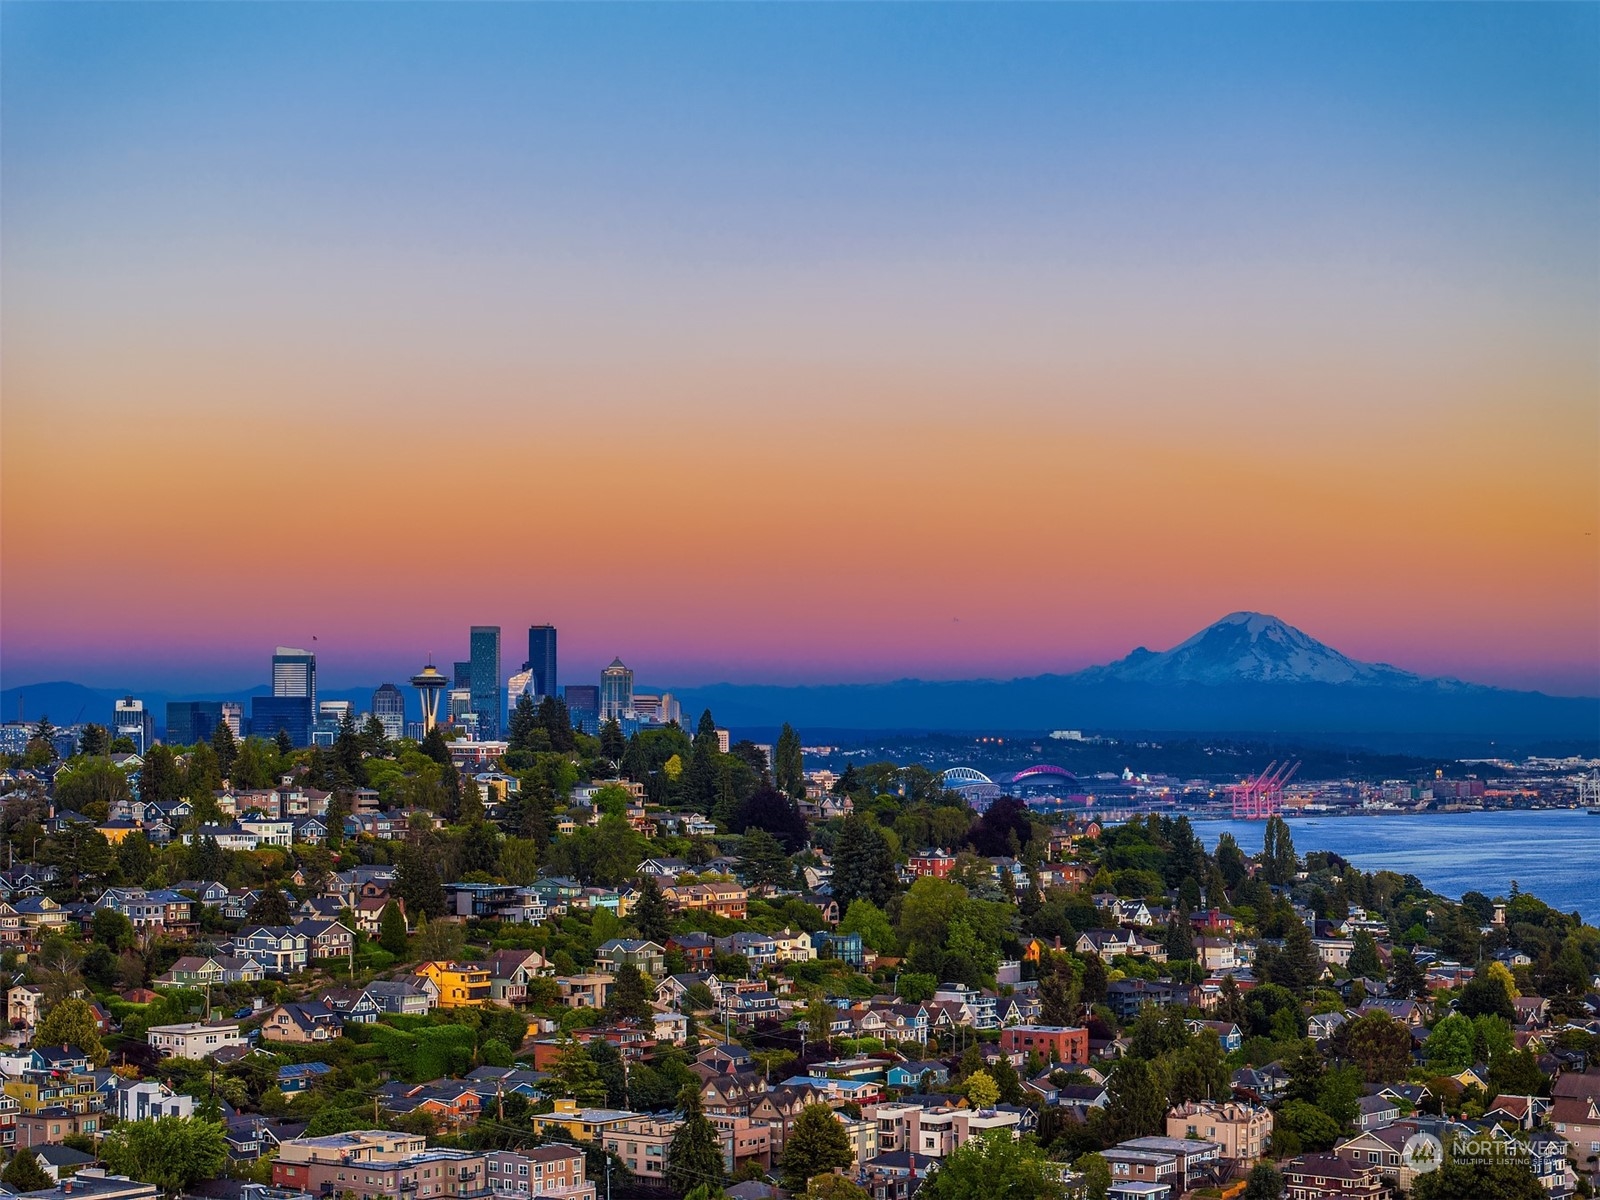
{"type": "Point", "coordinates": [797, 343]}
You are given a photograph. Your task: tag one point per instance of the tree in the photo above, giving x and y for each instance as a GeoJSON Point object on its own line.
{"type": "Point", "coordinates": [271, 908]}
{"type": "Point", "coordinates": [112, 929]}
{"type": "Point", "coordinates": [1364, 961]}
{"type": "Point", "coordinates": [1487, 993]}
{"type": "Point", "coordinates": [982, 1092]}
{"type": "Point", "coordinates": [392, 930]}
{"type": "Point", "coordinates": [417, 882]}
{"type": "Point", "coordinates": [1406, 978]}
{"type": "Point", "coordinates": [994, 1167]}
{"type": "Point", "coordinates": [573, 1076]}
{"type": "Point", "coordinates": [439, 941]}
{"type": "Point", "coordinates": [1311, 1128]}
{"type": "Point", "coordinates": [630, 997]}
{"type": "Point", "coordinates": [24, 1174]}
{"type": "Point", "coordinates": [833, 1187]}
{"type": "Point", "coordinates": [1266, 1183]}
{"type": "Point", "coordinates": [862, 863]}
{"type": "Point", "coordinates": [650, 912]}
{"type": "Point", "coordinates": [1059, 992]}
{"type": "Point", "coordinates": [817, 1144]}
{"type": "Point", "coordinates": [1379, 1045]}
{"type": "Point", "coordinates": [1096, 1174]}
{"type": "Point", "coordinates": [769, 809]}
{"type": "Point", "coordinates": [95, 741]}
{"type": "Point", "coordinates": [1136, 1103]}
{"type": "Point", "coordinates": [762, 861]}
{"type": "Point", "coordinates": [1449, 1046]}
{"type": "Point", "coordinates": [284, 744]}
{"type": "Point", "coordinates": [174, 1153]}
{"type": "Point", "coordinates": [524, 721]}
{"type": "Point", "coordinates": [1278, 861]}
{"type": "Point", "coordinates": [1501, 1177]}
{"type": "Point", "coordinates": [612, 744]}
{"type": "Point", "coordinates": [819, 1020]}
{"type": "Point", "coordinates": [1297, 965]}
{"type": "Point", "coordinates": [71, 1022]}
{"type": "Point", "coordinates": [695, 1155]}
{"type": "Point", "coordinates": [788, 770]}
{"type": "Point", "coordinates": [872, 923]}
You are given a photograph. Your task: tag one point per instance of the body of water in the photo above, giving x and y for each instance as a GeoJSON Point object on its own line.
{"type": "Point", "coordinates": [1554, 854]}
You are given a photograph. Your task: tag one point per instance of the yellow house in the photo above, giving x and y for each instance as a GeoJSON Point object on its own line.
{"type": "Point", "coordinates": [583, 1124]}
{"type": "Point", "coordinates": [115, 831]}
{"type": "Point", "coordinates": [461, 985]}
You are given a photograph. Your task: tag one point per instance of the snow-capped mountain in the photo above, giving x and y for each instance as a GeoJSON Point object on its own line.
{"type": "Point", "coordinates": [1248, 647]}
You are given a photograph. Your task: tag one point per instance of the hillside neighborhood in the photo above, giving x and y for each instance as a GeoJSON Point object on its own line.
{"type": "Point", "coordinates": [672, 964]}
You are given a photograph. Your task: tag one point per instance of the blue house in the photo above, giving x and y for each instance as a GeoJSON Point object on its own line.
{"type": "Point", "coordinates": [297, 1077]}
{"type": "Point", "coordinates": [909, 1075]}
{"type": "Point", "coordinates": [847, 948]}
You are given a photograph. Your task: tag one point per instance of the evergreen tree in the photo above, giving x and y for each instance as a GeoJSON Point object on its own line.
{"type": "Point", "coordinates": [347, 749]}
{"type": "Point", "coordinates": [24, 1174]}
{"type": "Point", "coordinates": [1364, 960]}
{"type": "Point", "coordinates": [650, 913]}
{"type": "Point", "coordinates": [524, 722]}
{"type": "Point", "coordinates": [416, 880]}
{"type": "Point", "coordinates": [271, 908]}
{"type": "Point", "coordinates": [1296, 966]}
{"type": "Point", "coordinates": [1179, 940]}
{"type": "Point", "coordinates": [95, 742]}
{"type": "Point", "coordinates": [788, 770]}
{"type": "Point", "coordinates": [700, 780]}
{"type": "Point", "coordinates": [556, 721]}
{"type": "Point", "coordinates": [435, 747]}
{"type": "Point", "coordinates": [630, 996]}
{"type": "Point", "coordinates": [862, 863]}
{"type": "Point", "coordinates": [159, 778]}
{"type": "Point", "coordinates": [1059, 992]}
{"type": "Point", "coordinates": [762, 862]}
{"type": "Point", "coordinates": [374, 738]}
{"type": "Point", "coordinates": [1278, 861]}
{"type": "Point", "coordinates": [1406, 978]}
{"type": "Point", "coordinates": [392, 930]}
{"type": "Point", "coordinates": [1136, 1103]}
{"type": "Point", "coordinates": [817, 1144]}
{"type": "Point", "coordinates": [285, 746]}
{"type": "Point", "coordinates": [226, 747]}
{"type": "Point", "coordinates": [610, 1069]}
{"type": "Point", "coordinates": [612, 744]}
{"type": "Point", "coordinates": [1265, 1183]}
{"type": "Point", "coordinates": [694, 1157]}
{"type": "Point", "coordinates": [71, 1022]}
{"type": "Point", "coordinates": [573, 1076]}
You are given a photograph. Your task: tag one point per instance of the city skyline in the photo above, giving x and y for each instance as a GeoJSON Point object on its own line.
{"type": "Point", "coordinates": [779, 354]}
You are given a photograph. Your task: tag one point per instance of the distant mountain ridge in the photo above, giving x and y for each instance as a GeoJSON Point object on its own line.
{"type": "Point", "coordinates": [1246, 673]}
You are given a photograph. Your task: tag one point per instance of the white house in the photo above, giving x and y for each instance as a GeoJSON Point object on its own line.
{"type": "Point", "coordinates": [196, 1039]}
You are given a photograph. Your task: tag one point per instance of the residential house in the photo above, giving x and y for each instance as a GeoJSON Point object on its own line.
{"type": "Point", "coordinates": [193, 1039]}
{"type": "Point", "coordinates": [1329, 1177]}
{"type": "Point", "coordinates": [1052, 1043]}
{"type": "Point", "coordinates": [1242, 1130]}
{"type": "Point", "coordinates": [301, 1024]}
{"type": "Point", "coordinates": [461, 985]}
{"type": "Point", "coordinates": [589, 990]}
{"type": "Point", "coordinates": [402, 997]}
{"type": "Point", "coordinates": [280, 949]}
{"type": "Point", "coordinates": [645, 956]}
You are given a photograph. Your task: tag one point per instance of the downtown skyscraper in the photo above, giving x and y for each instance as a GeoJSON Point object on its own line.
{"type": "Point", "coordinates": [542, 659]}
{"type": "Point", "coordinates": [488, 700]}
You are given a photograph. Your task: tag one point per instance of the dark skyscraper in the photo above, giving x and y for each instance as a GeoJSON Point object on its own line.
{"type": "Point", "coordinates": [191, 721]}
{"type": "Point", "coordinates": [291, 714]}
{"type": "Point", "coordinates": [542, 659]}
{"type": "Point", "coordinates": [487, 695]}
{"type": "Point", "coordinates": [583, 705]}
{"type": "Point", "coordinates": [461, 675]}
{"type": "Point", "coordinates": [389, 706]}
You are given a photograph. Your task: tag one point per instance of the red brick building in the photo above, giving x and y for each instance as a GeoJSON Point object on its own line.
{"type": "Point", "coordinates": [1061, 1043]}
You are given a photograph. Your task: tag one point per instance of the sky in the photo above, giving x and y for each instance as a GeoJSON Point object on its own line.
{"type": "Point", "coordinates": [796, 343]}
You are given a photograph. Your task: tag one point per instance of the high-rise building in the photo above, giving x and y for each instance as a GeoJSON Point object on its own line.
{"type": "Point", "coordinates": [461, 676]}
{"type": "Point", "coordinates": [233, 717]}
{"type": "Point", "coordinates": [294, 673]}
{"type": "Point", "coordinates": [389, 706]}
{"type": "Point", "coordinates": [542, 659]}
{"type": "Point", "coordinates": [130, 719]}
{"type": "Point", "coordinates": [488, 701]}
{"type": "Point", "coordinates": [519, 685]}
{"type": "Point", "coordinates": [583, 705]}
{"type": "Point", "coordinates": [191, 721]}
{"type": "Point", "coordinates": [616, 691]}
{"type": "Point", "coordinates": [271, 715]}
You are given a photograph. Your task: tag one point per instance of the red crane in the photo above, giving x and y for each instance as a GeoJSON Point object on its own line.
{"type": "Point", "coordinates": [1262, 797]}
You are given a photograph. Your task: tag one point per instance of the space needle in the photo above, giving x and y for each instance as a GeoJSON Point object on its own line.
{"type": "Point", "coordinates": [429, 683]}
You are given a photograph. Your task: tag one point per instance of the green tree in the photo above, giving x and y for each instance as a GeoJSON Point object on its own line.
{"type": "Point", "coordinates": [650, 914]}
{"type": "Point", "coordinates": [1308, 1125]}
{"type": "Point", "coordinates": [284, 745]}
{"type": "Point", "coordinates": [24, 1174]}
{"type": "Point", "coordinates": [1136, 1103]}
{"type": "Point", "coordinates": [612, 744]}
{"type": "Point", "coordinates": [417, 881]}
{"type": "Point", "coordinates": [994, 1167]}
{"type": "Point", "coordinates": [174, 1153]}
{"type": "Point", "coordinates": [1500, 1178]}
{"type": "Point", "coordinates": [519, 861]}
{"type": "Point", "coordinates": [159, 778]}
{"type": "Point", "coordinates": [863, 865]}
{"type": "Point", "coordinates": [574, 1077]}
{"type": "Point", "coordinates": [112, 929]}
{"type": "Point", "coordinates": [70, 1022]}
{"type": "Point", "coordinates": [94, 742]}
{"type": "Point", "coordinates": [762, 862]}
{"type": "Point", "coordinates": [630, 995]}
{"type": "Point", "coordinates": [135, 858]}
{"type": "Point", "coordinates": [392, 930]}
{"type": "Point", "coordinates": [1379, 1045]}
{"type": "Point", "coordinates": [1278, 861]}
{"type": "Point", "coordinates": [1096, 1174]}
{"type": "Point", "coordinates": [271, 908]}
{"type": "Point", "coordinates": [1364, 961]}
{"type": "Point", "coordinates": [1487, 994]}
{"type": "Point", "coordinates": [872, 923]}
{"type": "Point", "coordinates": [1406, 978]}
{"type": "Point", "coordinates": [788, 770]}
{"type": "Point", "coordinates": [1449, 1045]}
{"type": "Point", "coordinates": [694, 1156]}
{"type": "Point", "coordinates": [523, 725]}
{"type": "Point", "coordinates": [982, 1093]}
{"type": "Point", "coordinates": [817, 1144]}
{"type": "Point", "coordinates": [1266, 1183]}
